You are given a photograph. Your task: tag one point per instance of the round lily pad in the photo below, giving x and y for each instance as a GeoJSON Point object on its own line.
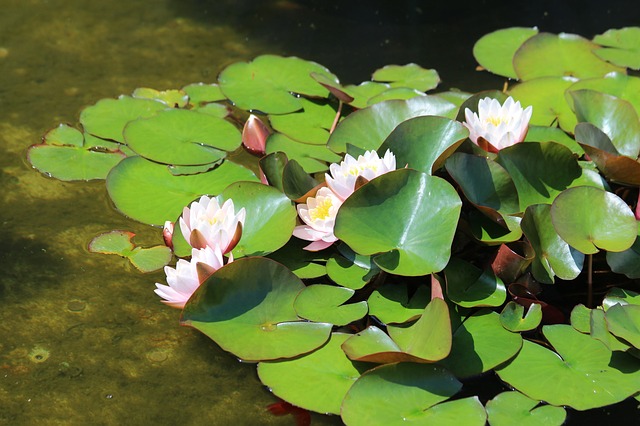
{"type": "Point", "coordinates": [408, 76]}
{"type": "Point", "coordinates": [246, 307]}
{"type": "Point", "coordinates": [494, 51]}
{"type": "Point", "coordinates": [327, 303]}
{"type": "Point", "coordinates": [311, 125]}
{"type": "Point", "coordinates": [182, 137]}
{"type": "Point", "coordinates": [510, 408]}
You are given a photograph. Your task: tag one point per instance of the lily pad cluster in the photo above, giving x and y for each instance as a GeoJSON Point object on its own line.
{"type": "Point", "coordinates": [453, 266]}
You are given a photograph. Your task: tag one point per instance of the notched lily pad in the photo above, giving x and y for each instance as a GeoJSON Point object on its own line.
{"type": "Point", "coordinates": [311, 125]}
{"type": "Point", "coordinates": [621, 47]}
{"type": "Point", "coordinates": [171, 98]}
{"type": "Point", "coordinates": [393, 304]}
{"type": "Point", "coordinates": [312, 158]}
{"type": "Point", "coordinates": [471, 287]}
{"type": "Point", "coordinates": [326, 303]}
{"type": "Point", "coordinates": [120, 243]}
{"type": "Point", "coordinates": [411, 76]}
{"type": "Point", "coordinates": [513, 317]}
{"type": "Point", "coordinates": [510, 408]}
{"type": "Point", "coordinates": [494, 51]}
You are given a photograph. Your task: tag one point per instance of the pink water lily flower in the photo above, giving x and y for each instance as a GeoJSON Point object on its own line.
{"type": "Point", "coordinates": [497, 126]}
{"type": "Point", "coordinates": [187, 276]}
{"type": "Point", "coordinates": [319, 216]}
{"type": "Point", "coordinates": [343, 177]}
{"type": "Point", "coordinates": [206, 223]}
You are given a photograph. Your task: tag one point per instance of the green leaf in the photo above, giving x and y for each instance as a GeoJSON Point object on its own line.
{"type": "Point", "coordinates": [407, 216]}
{"type": "Point", "coordinates": [369, 127]}
{"type": "Point", "coordinates": [621, 47]}
{"type": "Point", "coordinates": [616, 84]}
{"type": "Point", "coordinates": [303, 263]}
{"type": "Point", "coordinates": [120, 243]}
{"type": "Point", "coordinates": [350, 269]}
{"type": "Point", "coordinates": [374, 345]}
{"type": "Point", "coordinates": [582, 374]}
{"type": "Point", "coordinates": [312, 158]}
{"type": "Point", "coordinates": [553, 134]}
{"type": "Point", "coordinates": [182, 137]}
{"type": "Point", "coordinates": [64, 135]}
{"type": "Point", "coordinates": [326, 303]}
{"type": "Point", "coordinates": [363, 92]}
{"type": "Point", "coordinates": [246, 307]}
{"type": "Point", "coordinates": [471, 287]}
{"type": "Point", "coordinates": [620, 296]}
{"type": "Point", "coordinates": [489, 232]}
{"type": "Point", "coordinates": [411, 75]}
{"type": "Point", "coordinates": [512, 319]}
{"type": "Point", "coordinates": [548, 55]}
{"type": "Point", "coordinates": [391, 303]}
{"type": "Point", "coordinates": [317, 381]}
{"type": "Point", "coordinates": [311, 125]}
{"type": "Point", "coordinates": [624, 322]}
{"type": "Point", "coordinates": [605, 221]}
{"type": "Point", "coordinates": [201, 93]}
{"type": "Point", "coordinates": [510, 408]}
{"type": "Point", "coordinates": [269, 83]}
{"type": "Point", "coordinates": [425, 142]}
{"type": "Point", "coordinates": [554, 257]}
{"type": "Point", "coordinates": [149, 193]}
{"type": "Point", "coordinates": [171, 98]}
{"type": "Point", "coordinates": [494, 51]}
{"type": "Point", "coordinates": [70, 163]}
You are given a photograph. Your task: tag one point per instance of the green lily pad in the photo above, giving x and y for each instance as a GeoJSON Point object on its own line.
{"type": "Point", "coordinates": [269, 83]}
{"type": "Point", "coordinates": [554, 257]}
{"type": "Point", "coordinates": [553, 134]}
{"type": "Point", "coordinates": [350, 269]}
{"type": "Point", "coordinates": [171, 98]}
{"type": "Point", "coordinates": [64, 135]}
{"type": "Point", "coordinates": [621, 47]}
{"type": "Point", "coordinates": [480, 343]}
{"type": "Point", "coordinates": [456, 97]}
{"type": "Point", "coordinates": [311, 125]}
{"type": "Point", "coordinates": [624, 322]}
{"type": "Point", "coordinates": [411, 76]}
{"type": "Point", "coordinates": [489, 232]}
{"type": "Point", "coordinates": [581, 318]}
{"type": "Point", "coordinates": [402, 93]}
{"type": "Point", "coordinates": [600, 330]}
{"type": "Point", "coordinates": [472, 287]}
{"type": "Point", "coordinates": [616, 84]}
{"type": "Point", "coordinates": [546, 96]}
{"type": "Point", "coordinates": [107, 118]}
{"type": "Point", "coordinates": [270, 218]}
{"type": "Point", "coordinates": [326, 303]}
{"type": "Point", "coordinates": [512, 318]}
{"type": "Point", "coordinates": [363, 92]}
{"type": "Point", "coordinates": [296, 182]}
{"type": "Point", "coordinates": [549, 55]}
{"type": "Point", "coordinates": [201, 93]}
{"type": "Point", "coordinates": [583, 374]}
{"type": "Point", "coordinates": [429, 338]}
{"type": "Point", "coordinates": [149, 193]}
{"type": "Point", "coordinates": [620, 296]}
{"type": "Point", "coordinates": [374, 345]}
{"type": "Point", "coordinates": [605, 221]}
{"type": "Point", "coordinates": [369, 127]}
{"type": "Point", "coordinates": [423, 143]}
{"type": "Point", "coordinates": [70, 163]}
{"type": "Point", "coordinates": [391, 303]}
{"type": "Point", "coordinates": [312, 158]}
{"type": "Point", "coordinates": [182, 137]}
{"type": "Point", "coordinates": [253, 298]}
{"type": "Point", "coordinates": [510, 408]}
{"type": "Point", "coordinates": [495, 51]}
{"type": "Point", "coordinates": [409, 393]}
{"type": "Point", "coordinates": [406, 216]}
{"type": "Point", "coordinates": [317, 381]}
{"type": "Point", "coordinates": [304, 263]}
{"type": "Point", "coordinates": [120, 243]}
{"type": "Point", "coordinates": [626, 262]}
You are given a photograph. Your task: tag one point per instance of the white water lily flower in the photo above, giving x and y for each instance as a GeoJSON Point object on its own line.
{"type": "Point", "coordinates": [319, 216]}
{"type": "Point", "coordinates": [187, 276]}
{"type": "Point", "coordinates": [497, 126]}
{"type": "Point", "coordinates": [342, 179]}
{"type": "Point", "coordinates": [206, 223]}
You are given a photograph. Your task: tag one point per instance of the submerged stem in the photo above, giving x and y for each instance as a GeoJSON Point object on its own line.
{"type": "Point", "coordinates": [589, 281]}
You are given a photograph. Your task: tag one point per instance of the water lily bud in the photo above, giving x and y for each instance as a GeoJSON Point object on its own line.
{"type": "Point", "coordinates": [254, 135]}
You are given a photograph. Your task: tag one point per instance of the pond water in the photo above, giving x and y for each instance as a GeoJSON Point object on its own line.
{"type": "Point", "coordinates": [83, 338]}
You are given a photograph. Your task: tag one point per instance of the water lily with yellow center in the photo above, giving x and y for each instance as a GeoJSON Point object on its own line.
{"type": "Point", "coordinates": [187, 276]}
{"type": "Point", "coordinates": [206, 223]}
{"type": "Point", "coordinates": [497, 126]}
{"type": "Point", "coordinates": [319, 216]}
{"type": "Point", "coordinates": [342, 177]}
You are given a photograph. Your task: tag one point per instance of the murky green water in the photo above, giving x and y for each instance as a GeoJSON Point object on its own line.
{"type": "Point", "coordinates": [83, 338]}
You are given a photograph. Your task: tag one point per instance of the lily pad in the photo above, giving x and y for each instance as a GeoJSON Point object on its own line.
{"type": "Point", "coordinates": [605, 221]}
{"type": "Point", "coordinates": [326, 303]}
{"type": "Point", "coordinates": [403, 93]}
{"type": "Point", "coordinates": [411, 75]}
{"type": "Point", "coordinates": [626, 262]}
{"type": "Point", "coordinates": [304, 263]}
{"type": "Point", "coordinates": [621, 47]}
{"type": "Point", "coordinates": [312, 158]}
{"type": "Point", "coordinates": [149, 193]}
{"type": "Point", "coordinates": [363, 92]}
{"type": "Point", "coordinates": [616, 84]}
{"type": "Point", "coordinates": [350, 269]}
{"type": "Point", "coordinates": [253, 297]}
{"type": "Point", "coordinates": [494, 51]}
{"type": "Point", "coordinates": [489, 232]}
{"type": "Point", "coordinates": [582, 374]}
{"type": "Point", "coordinates": [311, 125]}
{"type": "Point", "coordinates": [374, 345]}
{"type": "Point", "coordinates": [553, 134]}
{"type": "Point", "coordinates": [70, 163]}
{"type": "Point", "coordinates": [392, 304]}
{"type": "Point", "coordinates": [510, 408]}
{"type": "Point", "coordinates": [512, 317]}
{"type": "Point", "coordinates": [120, 243]}
{"type": "Point", "coordinates": [624, 322]}
{"type": "Point", "coordinates": [548, 55]}
{"type": "Point", "coordinates": [201, 93]}
{"type": "Point", "coordinates": [369, 127]}
{"type": "Point", "coordinates": [620, 296]}
{"type": "Point", "coordinates": [171, 98]}
{"type": "Point", "coordinates": [472, 287]}
{"type": "Point", "coordinates": [406, 216]}
{"type": "Point", "coordinates": [318, 381]}
{"type": "Point", "coordinates": [269, 83]}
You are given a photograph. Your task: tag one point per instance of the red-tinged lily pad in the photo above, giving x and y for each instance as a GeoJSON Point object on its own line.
{"type": "Point", "coordinates": [624, 321]}
{"type": "Point", "coordinates": [472, 287]}
{"type": "Point", "coordinates": [317, 381]}
{"type": "Point", "coordinates": [171, 98]}
{"type": "Point", "coordinates": [107, 118]}
{"type": "Point", "coordinates": [424, 143]}
{"type": "Point", "coordinates": [392, 303]}
{"type": "Point", "coordinates": [406, 218]}
{"type": "Point", "coordinates": [150, 193]}
{"type": "Point", "coordinates": [410, 76]}
{"type": "Point", "coordinates": [182, 137]}
{"type": "Point", "coordinates": [554, 257]}
{"type": "Point", "coordinates": [246, 307]}
{"type": "Point", "coordinates": [369, 127]}
{"type": "Point", "coordinates": [494, 51]}
{"type": "Point", "coordinates": [327, 303]}
{"type": "Point", "coordinates": [409, 394]}
{"type": "Point", "coordinates": [513, 317]}
{"type": "Point", "coordinates": [621, 47]}
{"type": "Point", "coordinates": [120, 243]}
{"type": "Point", "coordinates": [310, 125]}
{"type": "Point", "coordinates": [509, 408]}
{"type": "Point", "coordinates": [270, 83]}
{"type": "Point", "coordinates": [605, 221]}
{"type": "Point", "coordinates": [480, 343]}
{"type": "Point", "coordinates": [583, 374]}
{"type": "Point", "coordinates": [549, 55]}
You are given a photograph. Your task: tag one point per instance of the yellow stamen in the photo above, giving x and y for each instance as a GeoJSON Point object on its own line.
{"type": "Point", "coordinates": [321, 211]}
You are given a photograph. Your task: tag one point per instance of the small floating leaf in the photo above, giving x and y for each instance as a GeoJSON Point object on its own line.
{"type": "Point", "coordinates": [326, 303]}
{"type": "Point", "coordinates": [512, 318]}
{"type": "Point", "coordinates": [510, 408]}
{"type": "Point", "coordinates": [494, 51]}
{"type": "Point", "coordinates": [411, 75]}
{"type": "Point", "coordinates": [120, 243]}
{"type": "Point", "coordinates": [621, 47]}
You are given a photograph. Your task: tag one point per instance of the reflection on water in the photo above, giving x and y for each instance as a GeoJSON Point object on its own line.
{"type": "Point", "coordinates": [83, 338]}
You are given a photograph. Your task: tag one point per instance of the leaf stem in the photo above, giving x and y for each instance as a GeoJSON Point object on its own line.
{"type": "Point", "coordinates": [589, 281]}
